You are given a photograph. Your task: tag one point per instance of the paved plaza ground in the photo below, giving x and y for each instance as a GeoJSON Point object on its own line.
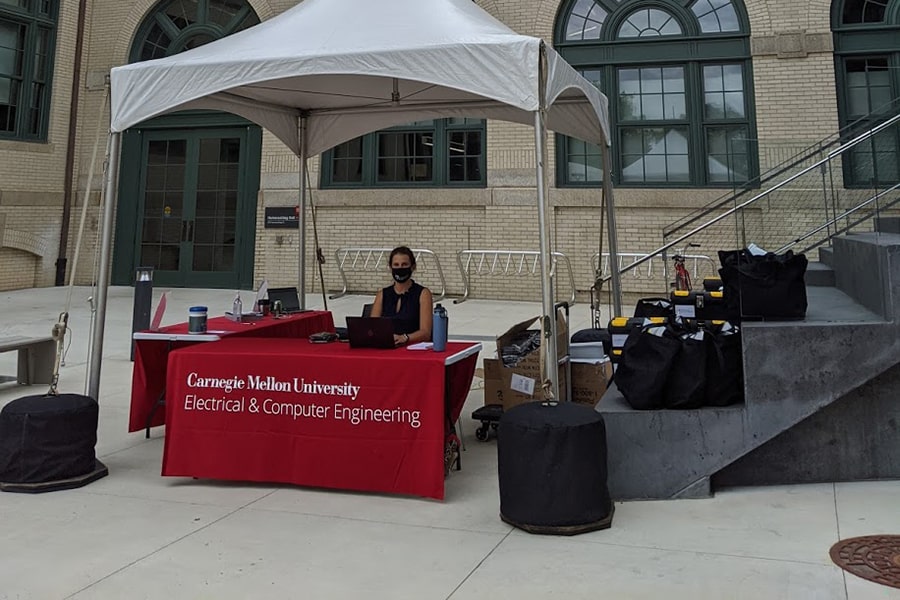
{"type": "Point", "coordinates": [138, 535]}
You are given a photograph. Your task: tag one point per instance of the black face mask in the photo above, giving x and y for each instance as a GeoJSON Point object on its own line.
{"type": "Point", "coordinates": [401, 274]}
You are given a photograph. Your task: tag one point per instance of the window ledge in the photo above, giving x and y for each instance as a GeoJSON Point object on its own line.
{"type": "Point", "coordinates": [33, 147]}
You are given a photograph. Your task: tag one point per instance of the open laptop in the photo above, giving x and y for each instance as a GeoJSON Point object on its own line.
{"type": "Point", "coordinates": [370, 332]}
{"type": "Point", "coordinates": [290, 299]}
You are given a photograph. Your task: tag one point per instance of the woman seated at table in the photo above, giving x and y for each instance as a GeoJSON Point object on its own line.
{"type": "Point", "coordinates": [409, 304]}
{"type": "Point", "coordinates": [405, 301]}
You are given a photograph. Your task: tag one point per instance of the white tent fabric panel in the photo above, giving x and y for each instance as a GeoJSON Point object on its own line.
{"type": "Point", "coordinates": [397, 60]}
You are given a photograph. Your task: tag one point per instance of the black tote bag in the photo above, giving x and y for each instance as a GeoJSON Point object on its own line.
{"type": "Point", "coordinates": [653, 307]}
{"type": "Point", "coordinates": [769, 286]}
{"type": "Point", "coordinates": [686, 385]}
{"type": "Point", "coordinates": [644, 366]}
{"type": "Point", "coordinates": [724, 367]}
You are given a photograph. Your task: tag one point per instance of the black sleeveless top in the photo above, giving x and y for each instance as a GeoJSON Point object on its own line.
{"type": "Point", "coordinates": [406, 319]}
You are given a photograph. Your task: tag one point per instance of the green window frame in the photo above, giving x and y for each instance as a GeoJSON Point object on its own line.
{"type": "Point", "coordinates": [867, 64]}
{"type": "Point", "coordinates": [179, 25]}
{"type": "Point", "coordinates": [27, 47]}
{"type": "Point", "coordinates": [439, 153]}
{"type": "Point", "coordinates": [678, 77]}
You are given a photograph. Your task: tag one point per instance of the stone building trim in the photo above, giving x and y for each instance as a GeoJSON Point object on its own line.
{"type": "Point", "coordinates": [791, 44]}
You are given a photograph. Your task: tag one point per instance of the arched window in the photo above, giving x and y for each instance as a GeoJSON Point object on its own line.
{"type": "Point", "coordinates": [867, 63]}
{"type": "Point", "coordinates": [677, 75]}
{"type": "Point", "coordinates": [179, 25]}
{"type": "Point", "coordinates": [27, 40]}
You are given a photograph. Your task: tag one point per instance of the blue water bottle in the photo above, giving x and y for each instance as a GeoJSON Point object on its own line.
{"type": "Point", "coordinates": [439, 336]}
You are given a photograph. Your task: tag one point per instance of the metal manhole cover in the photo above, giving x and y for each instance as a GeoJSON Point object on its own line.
{"type": "Point", "coordinates": [872, 557]}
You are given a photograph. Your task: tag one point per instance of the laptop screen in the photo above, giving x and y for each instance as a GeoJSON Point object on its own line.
{"type": "Point", "coordinates": [290, 299]}
{"type": "Point", "coordinates": [370, 332]}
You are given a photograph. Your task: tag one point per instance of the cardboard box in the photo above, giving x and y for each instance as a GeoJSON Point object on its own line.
{"type": "Point", "coordinates": [498, 383]}
{"type": "Point", "coordinates": [498, 378]}
{"type": "Point", "coordinates": [589, 381]}
{"type": "Point", "coordinates": [533, 359]}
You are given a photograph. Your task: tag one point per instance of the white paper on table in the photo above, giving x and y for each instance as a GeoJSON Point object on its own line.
{"type": "Point", "coordinates": [421, 346]}
{"type": "Point", "coordinates": [521, 384]}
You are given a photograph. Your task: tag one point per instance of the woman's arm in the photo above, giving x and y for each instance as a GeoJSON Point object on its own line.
{"type": "Point", "coordinates": [376, 306]}
{"type": "Point", "coordinates": [426, 316]}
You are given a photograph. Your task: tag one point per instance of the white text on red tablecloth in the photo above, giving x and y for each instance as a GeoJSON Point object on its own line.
{"type": "Point", "coordinates": [240, 402]}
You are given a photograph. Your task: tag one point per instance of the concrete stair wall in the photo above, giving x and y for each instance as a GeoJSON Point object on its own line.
{"type": "Point", "coordinates": [793, 370]}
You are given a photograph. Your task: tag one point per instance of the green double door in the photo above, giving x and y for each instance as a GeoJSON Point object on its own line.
{"type": "Point", "coordinates": [187, 206]}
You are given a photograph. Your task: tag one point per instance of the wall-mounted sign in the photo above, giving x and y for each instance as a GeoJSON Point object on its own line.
{"type": "Point", "coordinates": [282, 217]}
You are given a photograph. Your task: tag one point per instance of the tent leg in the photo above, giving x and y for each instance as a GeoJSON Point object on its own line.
{"type": "Point", "coordinates": [611, 229]}
{"type": "Point", "coordinates": [548, 344]}
{"type": "Point", "coordinates": [301, 216]}
{"type": "Point", "coordinates": [109, 204]}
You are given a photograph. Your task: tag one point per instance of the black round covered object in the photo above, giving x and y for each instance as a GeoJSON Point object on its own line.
{"type": "Point", "coordinates": [47, 438]}
{"type": "Point", "coordinates": [552, 467]}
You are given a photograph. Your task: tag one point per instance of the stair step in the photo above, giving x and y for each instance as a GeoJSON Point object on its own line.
{"type": "Point", "coordinates": [826, 255]}
{"type": "Point", "coordinates": [819, 274]}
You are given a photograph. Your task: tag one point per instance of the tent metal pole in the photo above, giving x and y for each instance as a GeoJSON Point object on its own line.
{"type": "Point", "coordinates": [611, 230]}
{"type": "Point", "coordinates": [301, 215]}
{"type": "Point", "coordinates": [548, 344]}
{"type": "Point", "coordinates": [109, 205]}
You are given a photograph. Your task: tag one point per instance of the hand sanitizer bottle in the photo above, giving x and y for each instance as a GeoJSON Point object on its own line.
{"type": "Point", "coordinates": [237, 308]}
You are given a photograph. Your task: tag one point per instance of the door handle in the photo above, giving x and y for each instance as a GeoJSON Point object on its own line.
{"type": "Point", "coordinates": [190, 231]}
{"type": "Point", "coordinates": [184, 228]}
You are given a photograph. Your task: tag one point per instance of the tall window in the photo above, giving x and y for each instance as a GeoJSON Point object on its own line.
{"type": "Point", "coordinates": [677, 75]}
{"type": "Point", "coordinates": [867, 59]}
{"type": "Point", "coordinates": [179, 25]}
{"type": "Point", "coordinates": [27, 37]}
{"type": "Point", "coordinates": [443, 152]}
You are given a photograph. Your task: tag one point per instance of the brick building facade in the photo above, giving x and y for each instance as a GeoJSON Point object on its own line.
{"type": "Point", "coordinates": [792, 94]}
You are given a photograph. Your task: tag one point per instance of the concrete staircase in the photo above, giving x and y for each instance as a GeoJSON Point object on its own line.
{"type": "Point", "coordinates": [819, 403]}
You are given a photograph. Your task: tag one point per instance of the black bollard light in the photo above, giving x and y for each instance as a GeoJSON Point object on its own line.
{"type": "Point", "coordinates": [143, 301]}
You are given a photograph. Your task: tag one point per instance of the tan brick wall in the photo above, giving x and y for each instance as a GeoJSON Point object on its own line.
{"type": "Point", "coordinates": [795, 105]}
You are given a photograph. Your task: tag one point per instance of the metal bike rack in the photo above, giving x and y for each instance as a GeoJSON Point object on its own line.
{"type": "Point", "coordinates": [645, 268]}
{"type": "Point", "coordinates": [625, 258]}
{"type": "Point", "coordinates": [508, 263]}
{"type": "Point", "coordinates": [373, 260]}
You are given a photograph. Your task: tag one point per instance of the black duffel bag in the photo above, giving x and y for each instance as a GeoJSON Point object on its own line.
{"type": "Point", "coordinates": [643, 370]}
{"type": "Point", "coordinates": [593, 335]}
{"type": "Point", "coordinates": [653, 307]}
{"type": "Point", "coordinates": [724, 366]}
{"type": "Point", "coordinates": [769, 286]}
{"type": "Point", "coordinates": [686, 384]}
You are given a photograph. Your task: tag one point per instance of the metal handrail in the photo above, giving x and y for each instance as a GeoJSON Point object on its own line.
{"type": "Point", "coordinates": [778, 170]}
{"type": "Point", "coordinates": [844, 148]}
{"type": "Point", "coordinates": [846, 214]}
{"type": "Point", "coordinates": [509, 262]}
{"type": "Point", "coordinates": [372, 260]}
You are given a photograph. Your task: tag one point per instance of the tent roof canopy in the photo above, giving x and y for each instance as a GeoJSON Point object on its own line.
{"type": "Point", "coordinates": [355, 66]}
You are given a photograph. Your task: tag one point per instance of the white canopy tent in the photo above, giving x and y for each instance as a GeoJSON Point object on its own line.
{"type": "Point", "coordinates": [327, 71]}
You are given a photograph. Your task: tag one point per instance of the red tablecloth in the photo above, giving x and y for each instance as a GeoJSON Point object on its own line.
{"type": "Point", "coordinates": [150, 356]}
{"type": "Point", "coordinates": [321, 415]}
